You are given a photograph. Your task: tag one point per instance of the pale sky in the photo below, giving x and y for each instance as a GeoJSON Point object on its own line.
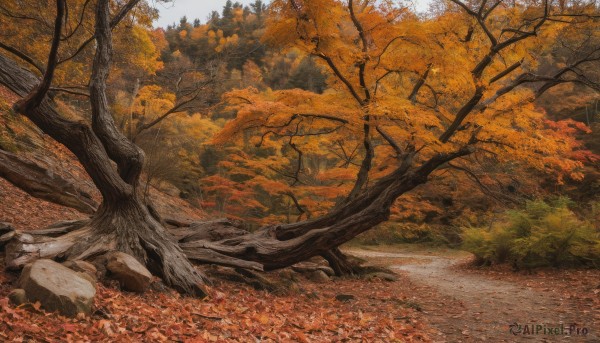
{"type": "Point", "coordinates": [171, 12]}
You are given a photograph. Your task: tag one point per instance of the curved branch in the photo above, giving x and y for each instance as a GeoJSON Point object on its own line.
{"type": "Point", "coordinates": [79, 23]}
{"type": "Point", "coordinates": [35, 98]}
{"type": "Point", "coordinates": [113, 23]}
{"type": "Point", "coordinates": [175, 109]}
{"type": "Point", "coordinates": [341, 77]}
{"type": "Point", "coordinates": [390, 140]}
{"type": "Point", "coordinates": [365, 47]}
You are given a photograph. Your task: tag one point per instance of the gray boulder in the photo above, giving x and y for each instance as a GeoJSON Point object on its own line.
{"type": "Point", "coordinates": [130, 273]}
{"type": "Point", "coordinates": [57, 288]}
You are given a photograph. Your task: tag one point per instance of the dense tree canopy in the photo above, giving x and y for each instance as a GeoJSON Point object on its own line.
{"type": "Point", "coordinates": [400, 82]}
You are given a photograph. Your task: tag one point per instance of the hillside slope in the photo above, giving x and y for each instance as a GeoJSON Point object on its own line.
{"type": "Point", "coordinates": [23, 211]}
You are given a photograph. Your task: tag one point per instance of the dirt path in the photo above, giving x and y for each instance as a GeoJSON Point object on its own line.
{"type": "Point", "coordinates": [468, 307]}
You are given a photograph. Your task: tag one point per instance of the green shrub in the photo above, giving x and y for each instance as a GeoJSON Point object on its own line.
{"type": "Point", "coordinates": [542, 234]}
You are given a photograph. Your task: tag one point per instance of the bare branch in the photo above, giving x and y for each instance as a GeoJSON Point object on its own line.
{"type": "Point", "coordinates": [79, 23]}
{"type": "Point", "coordinates": [506, 72]}
{"type": "Point", "coordinates": [301, 209]}
{"type": "Point", "coordinates": [420, 82]}
{"type": "Point", "coordinates": [390, 140]}
{"type": "Point", "coordinates": [113, 23]}
{"type": "Point", "coordinates": [365, 47]}
{"type": "Point", "coordinates": [35, 98]}
{"type": "Point", "coordinates": [175, 109]}
{"type": "Point", "coordinates": [341, 77]}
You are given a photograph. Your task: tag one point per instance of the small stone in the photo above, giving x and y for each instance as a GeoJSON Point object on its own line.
{"type": "Point", "coordinates": [287, 274]}
{"type": "Point", "coordinates": [159, 286]}
{"type": "Point", "coordinates": [344, 297]}
{"type": "Point", "coordinates": [5, 227]}
{"type": "Point", "coordinates": [318, 276]}
{"type": "Point", "coordinates": [130, 273]}
{"type": "Point", "coordinates": [17, 296]}
{"type": "Point", "coordinates": [7, 232]}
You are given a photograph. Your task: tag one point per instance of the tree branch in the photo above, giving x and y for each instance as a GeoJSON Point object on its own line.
{"type": "Point", "coordinates": [35, 98]}
{"type": "Point", "coordinates": [341, 77]}
{"type": "Point", "coordinates": [113, 23]}
{"type": "Point", "coordinates": [420, 82]}
{"type": "Point", "coordinates": [506, 72]}
{"type": "Point", "coordinates": [365, 47]}
{"type": "Point", "coordinates": [390, 140]}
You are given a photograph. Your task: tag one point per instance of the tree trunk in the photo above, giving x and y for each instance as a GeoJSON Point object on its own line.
{"type": "Point", "coordinates": [123, 221]}
{"type": "Point", "coordinates": [41, 183]}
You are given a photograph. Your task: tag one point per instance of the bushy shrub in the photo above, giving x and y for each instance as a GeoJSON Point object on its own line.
{"type": "Point", "coordinates": [541, 234]}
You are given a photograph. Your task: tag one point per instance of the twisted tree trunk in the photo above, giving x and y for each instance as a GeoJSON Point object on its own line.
{"type": "Point", "coordinates": [123, 221]}
{"type": "Point", "coordinates": [277, 247]}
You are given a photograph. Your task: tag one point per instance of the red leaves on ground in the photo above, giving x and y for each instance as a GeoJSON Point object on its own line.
{"type": "Point", "coordinates": [232, 314]}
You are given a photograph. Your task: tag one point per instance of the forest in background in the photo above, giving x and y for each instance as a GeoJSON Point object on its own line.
{"type": "Point", "coordinates": [286, 187]}
{"type": "Point", "coordinates": [263, 177]}
{"type": "Point", "coordinates": [242, 119]}
{"type": "Point", "coordinates": [246, 177]}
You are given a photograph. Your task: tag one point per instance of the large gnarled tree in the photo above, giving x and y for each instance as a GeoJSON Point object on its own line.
{"type": "Point", "coordinates": [426, 91]}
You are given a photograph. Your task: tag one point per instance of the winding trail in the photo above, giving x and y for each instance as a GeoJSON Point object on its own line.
{"type": "Point", "coordinates": [468, 307]}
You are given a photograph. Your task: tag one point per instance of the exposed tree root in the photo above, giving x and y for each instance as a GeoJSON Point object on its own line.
{"type": "Point", "coordinates": [128, 229]}
{"type": "Point", "coordinates": [212, 230]}
{"type": "Point", "coordinates": [340, 263]}
{"type": "Point", "coordinates": [248, 277]}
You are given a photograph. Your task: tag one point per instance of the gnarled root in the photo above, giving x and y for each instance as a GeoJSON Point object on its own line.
{"type": "Point", "coordinates": [128, 229]}
{"type": "Point", "coordinates": [341, 264]}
